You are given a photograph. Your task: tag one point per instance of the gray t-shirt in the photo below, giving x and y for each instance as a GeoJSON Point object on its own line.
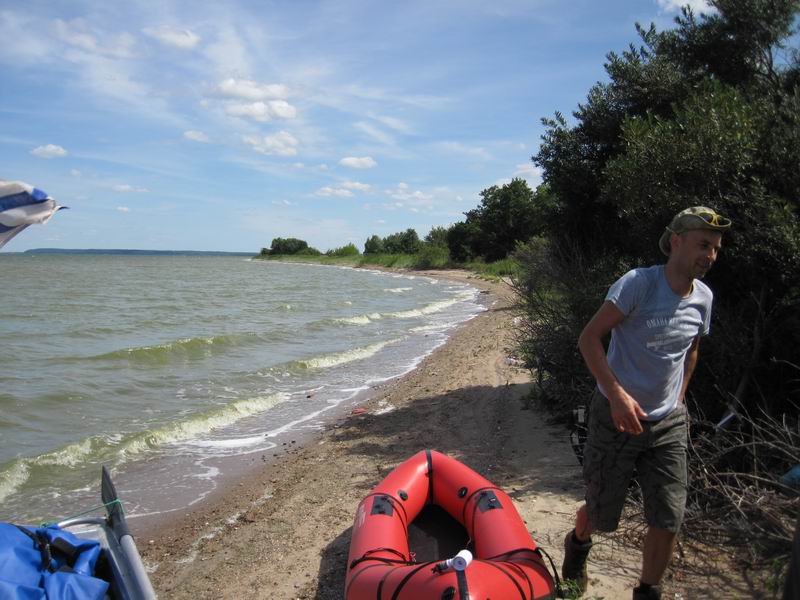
{"type": "Point", "coordinates": [649, 346]}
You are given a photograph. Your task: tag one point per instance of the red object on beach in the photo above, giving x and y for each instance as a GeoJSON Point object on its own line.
{"type": "Point", "coordinates": [507, 565]}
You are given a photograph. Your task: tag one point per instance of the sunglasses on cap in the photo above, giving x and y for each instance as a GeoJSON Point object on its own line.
{"type": "Point", "coordinates": [713, 219]}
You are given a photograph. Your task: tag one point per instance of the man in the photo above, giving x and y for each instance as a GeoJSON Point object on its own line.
{"type": "Point", "coordinates": [637, 418]}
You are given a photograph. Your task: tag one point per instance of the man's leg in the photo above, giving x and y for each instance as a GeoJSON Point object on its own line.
{"type": "Point", "coordinates": [658, 547]}
{"type": "Point", "coordinates": [583, 527]}
{"type": "Point", "coordinates": [608, 463]}
{"type": "Point", "coordinates": [663, 477]}
{"type": "Point", "coordinates": [577, 544]}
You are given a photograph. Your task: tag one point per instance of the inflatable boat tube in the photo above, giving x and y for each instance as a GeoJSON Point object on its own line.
{"type": "Point", "coordinates": [507, 563]}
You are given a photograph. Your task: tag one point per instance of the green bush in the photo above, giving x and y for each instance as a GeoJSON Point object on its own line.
{"type": "Point", "coordinates": [432, 257]}
{"type": "Point", "coordinates": [348, 250]}
{"type": "Point", "coordinates": [287, 246]}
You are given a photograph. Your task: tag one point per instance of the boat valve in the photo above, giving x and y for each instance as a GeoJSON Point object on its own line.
{"type": "Point", "coordinates": [458, 563]}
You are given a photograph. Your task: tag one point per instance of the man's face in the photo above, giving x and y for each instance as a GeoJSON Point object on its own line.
{"type": "Point", "coordinates": [696, 250]}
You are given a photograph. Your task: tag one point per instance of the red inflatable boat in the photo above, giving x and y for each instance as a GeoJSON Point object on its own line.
{"type": "Point", "coordinates": [507, 565]}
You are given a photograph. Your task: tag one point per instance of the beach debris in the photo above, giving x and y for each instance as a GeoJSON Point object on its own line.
{"type": "Point", "coordinates": [21, 205]}
{"type": "Point", "coordinates": [358, 411]}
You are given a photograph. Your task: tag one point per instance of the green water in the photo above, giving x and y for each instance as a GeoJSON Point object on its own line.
{"type": "Point", "coordinates": [158, 365]}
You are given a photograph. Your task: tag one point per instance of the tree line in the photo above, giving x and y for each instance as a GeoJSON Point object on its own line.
{"type": "Point", "coordinates": [506, 216]}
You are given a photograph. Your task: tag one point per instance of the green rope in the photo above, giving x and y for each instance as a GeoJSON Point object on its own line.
{"type": "Point", "coordinates": [91, 510]}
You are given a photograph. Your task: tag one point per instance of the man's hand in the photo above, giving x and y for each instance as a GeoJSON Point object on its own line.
{"type": "Point", "coordinates": [625, 412]}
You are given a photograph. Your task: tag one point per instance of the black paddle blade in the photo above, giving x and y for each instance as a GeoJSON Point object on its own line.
{"type": "Point", "coordinates": [116, 516]}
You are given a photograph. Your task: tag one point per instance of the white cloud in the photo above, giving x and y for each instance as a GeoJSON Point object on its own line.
{"type": "Point", "coordinates": [49, 151]}
{"type": "Point", "coordinates": [338, 192]}
{"type": "Point", "coordinates": [75, 34]}
{"type": "Point", "coordinates": [355, 185]}
{"type": "Point", "coordinates": [282, 143]}
{"type": "Point", "coordinates": [123, 209]}
{"type": "Point", "coordinates": [375, 133]}
{"type": "Point", "coordinates": [195, 136]}
{"type": "Point", "coordinates": [698, 6]}
{"type": "Point", "coordinates": [403, 196]}
{"type": "Point", "coordinates": [530, 172]}
{"type": "Point", "coordinates": [263, 111]}
{"type": "Point", "coordinates": [171, 36]}
{"type": "Point", "coordinates": [354, 162]}
{"type": "Point", "coordinates": [475, 152]}
{"type": "Point", "coordinates": [394, 123]}
{"type": "Point", "coordinates": [26, 48]}
{"type": "Point", "coordinates": [75, 173]}
{"type": "Point", "coordinates": [251, 90]}
{"type": "Point", "coordinates": [228, 52]}
{"type": "Point", "coordinates": [78, 34]}
{"type": "Point", "coordinates": [124, 188]}
{"type": "Point", "coordinates": [344, 189]}
{"type": "Point", "coordinates": [281, 203]}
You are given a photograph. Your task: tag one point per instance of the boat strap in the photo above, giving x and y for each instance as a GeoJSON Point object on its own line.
{"type": "Point", "coordinates": [555, 571]}
{"type": "Point", "coordinates": [46, 548]}
{"type": "Point", "coordinates": [429, 458]}
{"type": "Point", "coordinates": [511, 578]}
{"type": "Point", "coordinates": [539, 551]}
{"type": "Point", "coordinates": [389, 561]}
{"type": "Point", "coordinates": [407, 578]}
{"type": "Point", "coordinates": [486, 501]}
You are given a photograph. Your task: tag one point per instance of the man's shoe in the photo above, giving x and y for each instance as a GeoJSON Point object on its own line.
{"type": "Point", "coordinates": [575, 555]}
{"type": "Point", "coordinates": [650, 592]}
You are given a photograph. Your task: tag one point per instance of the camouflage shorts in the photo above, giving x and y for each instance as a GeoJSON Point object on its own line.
{"type": "Point", "coordinates": [658, 455]}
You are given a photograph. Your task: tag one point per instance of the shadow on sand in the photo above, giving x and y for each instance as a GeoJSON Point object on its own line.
{"type": "Point", "coordinates": [517, 442]}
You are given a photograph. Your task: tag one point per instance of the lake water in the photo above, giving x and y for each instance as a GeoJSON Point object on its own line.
{"type": "Point", "coordinates": [166, 367]}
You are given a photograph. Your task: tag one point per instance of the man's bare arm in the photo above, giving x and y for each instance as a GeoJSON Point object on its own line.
{"type": "Point", "coordinates": [625, 411]}
{"type": "Point", "coordinates": [689, 363]}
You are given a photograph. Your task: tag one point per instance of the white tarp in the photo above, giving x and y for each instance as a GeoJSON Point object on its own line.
{"type": "Point", "coordinates": [22, 205]}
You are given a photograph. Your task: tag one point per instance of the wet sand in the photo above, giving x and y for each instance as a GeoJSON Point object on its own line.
{"type": "Point", "coordinates": [283, 531]}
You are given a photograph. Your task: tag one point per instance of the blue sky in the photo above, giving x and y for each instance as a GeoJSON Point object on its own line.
{"type": "Point", "coordinates": [220, 126]}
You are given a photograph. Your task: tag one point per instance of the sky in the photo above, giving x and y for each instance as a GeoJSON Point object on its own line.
{"type": "Point", "coordinates": [176, 125]}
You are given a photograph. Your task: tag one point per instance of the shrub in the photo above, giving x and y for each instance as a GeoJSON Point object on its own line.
{"type": "Point", "coordinates": [348, 250]}
{"type": "Point", "coordinates": [432, 257]}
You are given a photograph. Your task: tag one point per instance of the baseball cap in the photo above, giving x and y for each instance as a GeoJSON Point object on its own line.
{"type": "Point", "coordinates": [694, 217]}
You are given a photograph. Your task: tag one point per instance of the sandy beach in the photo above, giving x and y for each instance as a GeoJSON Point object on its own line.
{"type": "Point", "coordinates": [283, 531]}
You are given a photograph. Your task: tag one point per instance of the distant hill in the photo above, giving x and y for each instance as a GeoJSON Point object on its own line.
{"type": "Point", "coordinates": [116, 251]}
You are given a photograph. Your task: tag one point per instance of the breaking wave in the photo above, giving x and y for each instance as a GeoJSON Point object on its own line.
{"type": "Point", "coordinates": [433, 307]}
{"type": "Point", "coordinates": [117, 449]}
{"type": "Point", "coordinates": [340, 358]}
{"type": "Point", "coordinates": [183, 349]}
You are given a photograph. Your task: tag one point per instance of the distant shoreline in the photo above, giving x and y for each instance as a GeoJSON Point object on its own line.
{"type": "Point", "coordinates": [116, 251]}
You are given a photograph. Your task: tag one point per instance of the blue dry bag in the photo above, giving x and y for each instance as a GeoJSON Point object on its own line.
{"type": "Point", "coordinates": [48, 563]}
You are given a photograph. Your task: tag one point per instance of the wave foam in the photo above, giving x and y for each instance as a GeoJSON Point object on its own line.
{"type": "Point", "coordinates": [340, 358]}
{"type": "Point", "coordinates": [202, 423]}
{"type": "Point", "coordinates": [360, 319]}
{"type": "Point", "coordinates": [13, 477]}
